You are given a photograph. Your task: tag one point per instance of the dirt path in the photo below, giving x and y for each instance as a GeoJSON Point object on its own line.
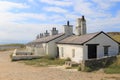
{"type": "Point", "coordinates": [18, 71]}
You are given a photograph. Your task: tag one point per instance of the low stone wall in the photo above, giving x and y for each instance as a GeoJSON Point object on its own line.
{"type": "Point", "coordinates": [23, 52]}
{"type": "Point", "coordinates": [21, 55]}
{"type": "Point", "coordinates": [24, 57]}
{"type": "Point", "coordinates": [98, 63]}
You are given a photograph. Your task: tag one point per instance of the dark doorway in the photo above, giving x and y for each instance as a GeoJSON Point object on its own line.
{"type": "Point", "coordinates": [57, 56]}
{"type": "Point", "coordinates": [92, 51]}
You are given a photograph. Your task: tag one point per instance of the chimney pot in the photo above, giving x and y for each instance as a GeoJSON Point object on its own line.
{"type": "Point", "coordinates": [68, 23]}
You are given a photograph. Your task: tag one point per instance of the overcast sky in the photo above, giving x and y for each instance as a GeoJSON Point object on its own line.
{"type": "Point", "coordinates": [22, 20]}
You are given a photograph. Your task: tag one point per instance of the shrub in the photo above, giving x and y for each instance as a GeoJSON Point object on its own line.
{"type": "Point", "coordinates": [67, 67]}
{"type": "Point", "coordinates": [68, 59]}
{"type": "Point", "coordinates": [79, 68]}
{"type": "Point", "coordinates": [87, 69]}
{"type": "Point", "coordinates": [49, 57]}
{"type": "Point", "coordinates": [113, 68]}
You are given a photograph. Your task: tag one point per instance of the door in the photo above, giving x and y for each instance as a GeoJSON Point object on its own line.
{"type": "Point", "coordinates": [92, 51]}
{"type": "Point", "coordinates": [57, 56]}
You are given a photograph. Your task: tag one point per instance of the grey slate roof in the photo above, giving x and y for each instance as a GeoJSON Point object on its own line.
{"type": "Point", "coordinates": [74, 39]}
{"type": "Point", "coordinates": [45, 39]}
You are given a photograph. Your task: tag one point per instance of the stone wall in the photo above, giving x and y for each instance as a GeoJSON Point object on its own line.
{"type": "Point", "coordinates": [23, 55]}
{"type": "Point", "coordinates": [95, 64]}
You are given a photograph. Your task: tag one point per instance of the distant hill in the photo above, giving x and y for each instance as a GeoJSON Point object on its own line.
{"type": "Point", "coordinates": [115, 35]}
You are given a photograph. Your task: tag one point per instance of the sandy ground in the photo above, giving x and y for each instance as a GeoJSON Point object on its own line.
{"type": "Point", "coordinates": [19, 71]}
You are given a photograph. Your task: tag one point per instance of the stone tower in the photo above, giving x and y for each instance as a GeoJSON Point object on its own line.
{"type": "Point", "coordinates": [81, 26]}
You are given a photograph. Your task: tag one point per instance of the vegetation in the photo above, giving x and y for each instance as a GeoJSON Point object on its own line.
{"type": "Point", "coordinates": [79, 68]}
{"type": "Point", "coordinates": [44, 61]}
{"type": "Point", "coordinates": [88, 69]}
{"type": "Point", "coordinates": [113, 68]}
{"type": "Point", "coordinates": [115, 35]}
{"type": "Point", "coordinates": [21, 45]}
{"type": "Point", "coordinates": [68, 59]}
{"type": "Point", "coordinates": [109, 67]}
{"type": "Point", "coordinates": [73, 67]}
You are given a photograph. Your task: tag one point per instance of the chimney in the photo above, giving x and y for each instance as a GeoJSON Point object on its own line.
{"type": "Point", "coordinates": [68, 23]}
{"type": "Point", "coordinates": [41, 35]}
{"type": "Point", "coordinates": [46, 33]}
{"type": "Point", "coordinates": [54, 31]}
{"type": "Point", "coordinates": [81, 26]}
{"type": "Point", "coordinates": [83, 18]}
{"type": "Point", "coordinates": [37, 37]}
{"type": "Point", "coordinates": [68, 29]}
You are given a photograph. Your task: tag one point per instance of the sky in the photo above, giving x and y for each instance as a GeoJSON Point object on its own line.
{"type": "Point", "coordinates": [22, 20]}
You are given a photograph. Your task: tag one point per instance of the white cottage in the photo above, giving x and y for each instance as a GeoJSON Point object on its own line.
{"type": "Point", "coordinates": [45, 44]}
{"type": "Point", "coordinates": [78, 47]}
{"type": "Point", "coordinates": [89, 46]}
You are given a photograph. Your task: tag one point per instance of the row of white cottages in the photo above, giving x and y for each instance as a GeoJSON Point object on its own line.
{"type": "Point", "coordinates": [78, 47]}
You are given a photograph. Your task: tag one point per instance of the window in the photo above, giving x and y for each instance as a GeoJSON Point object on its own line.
{"type": "Point", "coordinates": [62, 52]}
{"type": "Point", "coordinates": [73, 53]}
{"type": "Point", "coordinates": [106, 49]}
{"type": "Point", "coordinates": [119, 49]}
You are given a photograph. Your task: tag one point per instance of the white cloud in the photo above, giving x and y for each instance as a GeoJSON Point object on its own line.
{"type": "Point", "coordinates": [115, 0]}
{"type": "Point", "coordinates": [104, 4]}
{"type": "Point", "coordinates": [83, 7]}
{"type": "Point", "coordinates": [57, 2]}
{"type": "Point", "coordinates": [18, 26]}
{"type": "Point", "coordinates": [105, 24]}
{"type": "Point", "coordinates": [7, 17]}
{"type": "Point", "coordinates": [17, 31]}
{"type": "Point", "coordinates": [5, 5]}
{"type": "Point", "coordinates": [93, 8]}
{"type": "Point", "coordinates": [55, 9]}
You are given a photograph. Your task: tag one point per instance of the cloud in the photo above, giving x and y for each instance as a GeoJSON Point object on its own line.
{"type": "Point", "coordinates": [57, 2]}
{"type": "Point", "coordinates": [33, 15]}
{"type": "Point", "coordinates": [104, 4]}
{"type": "Point", "coordinates": [5, 5]}
{"type": "Point", "coordinates": [55, 9]}
{"type": "Point", "coordinates": [25, 32]}
{"type": "Point", "coordinates": [106, 24]}
{"type": "Point", "coordinates": [7, 17]}
{"type": "Point", "coordinates": [82, 7]}
{"type": "Point", "coordinates": [115, 0]}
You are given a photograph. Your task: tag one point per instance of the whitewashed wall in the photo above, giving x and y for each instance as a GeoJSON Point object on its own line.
{"type": "Point", "coordinates": [102, 40]}
{"type": "Point", "coordinates": [51, 49]}
{"type": "Point", "coordinates": [67, 50]}
{"type": "Point", "coordinates": [39, 51]}
{"type": "Point", "coordinates": [29, 48]}
{"type": "Point", "coordinates": [36, 50]}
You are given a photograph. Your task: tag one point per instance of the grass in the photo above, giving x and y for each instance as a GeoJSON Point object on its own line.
{"type": "Point", "coordinates": [73, 67]}
{"type": "Point", "coordinates": [44, 62]}
{"type": "Point", "coordinates": [17, 44]}
{"type": "Point", "coordinates": [115, 35]}
{"type": "Point", "coordinates": [113, 68]}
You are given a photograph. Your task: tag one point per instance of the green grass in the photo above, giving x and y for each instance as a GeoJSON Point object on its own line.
{"type": "Point", "coordinates": [17, 44]}
{"type": "Point", "coordinates": [115, 36]}
{"type": "Point", "coordinates": [113, 68]}
{"type": "Point", "coordinates": [44, 62]}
